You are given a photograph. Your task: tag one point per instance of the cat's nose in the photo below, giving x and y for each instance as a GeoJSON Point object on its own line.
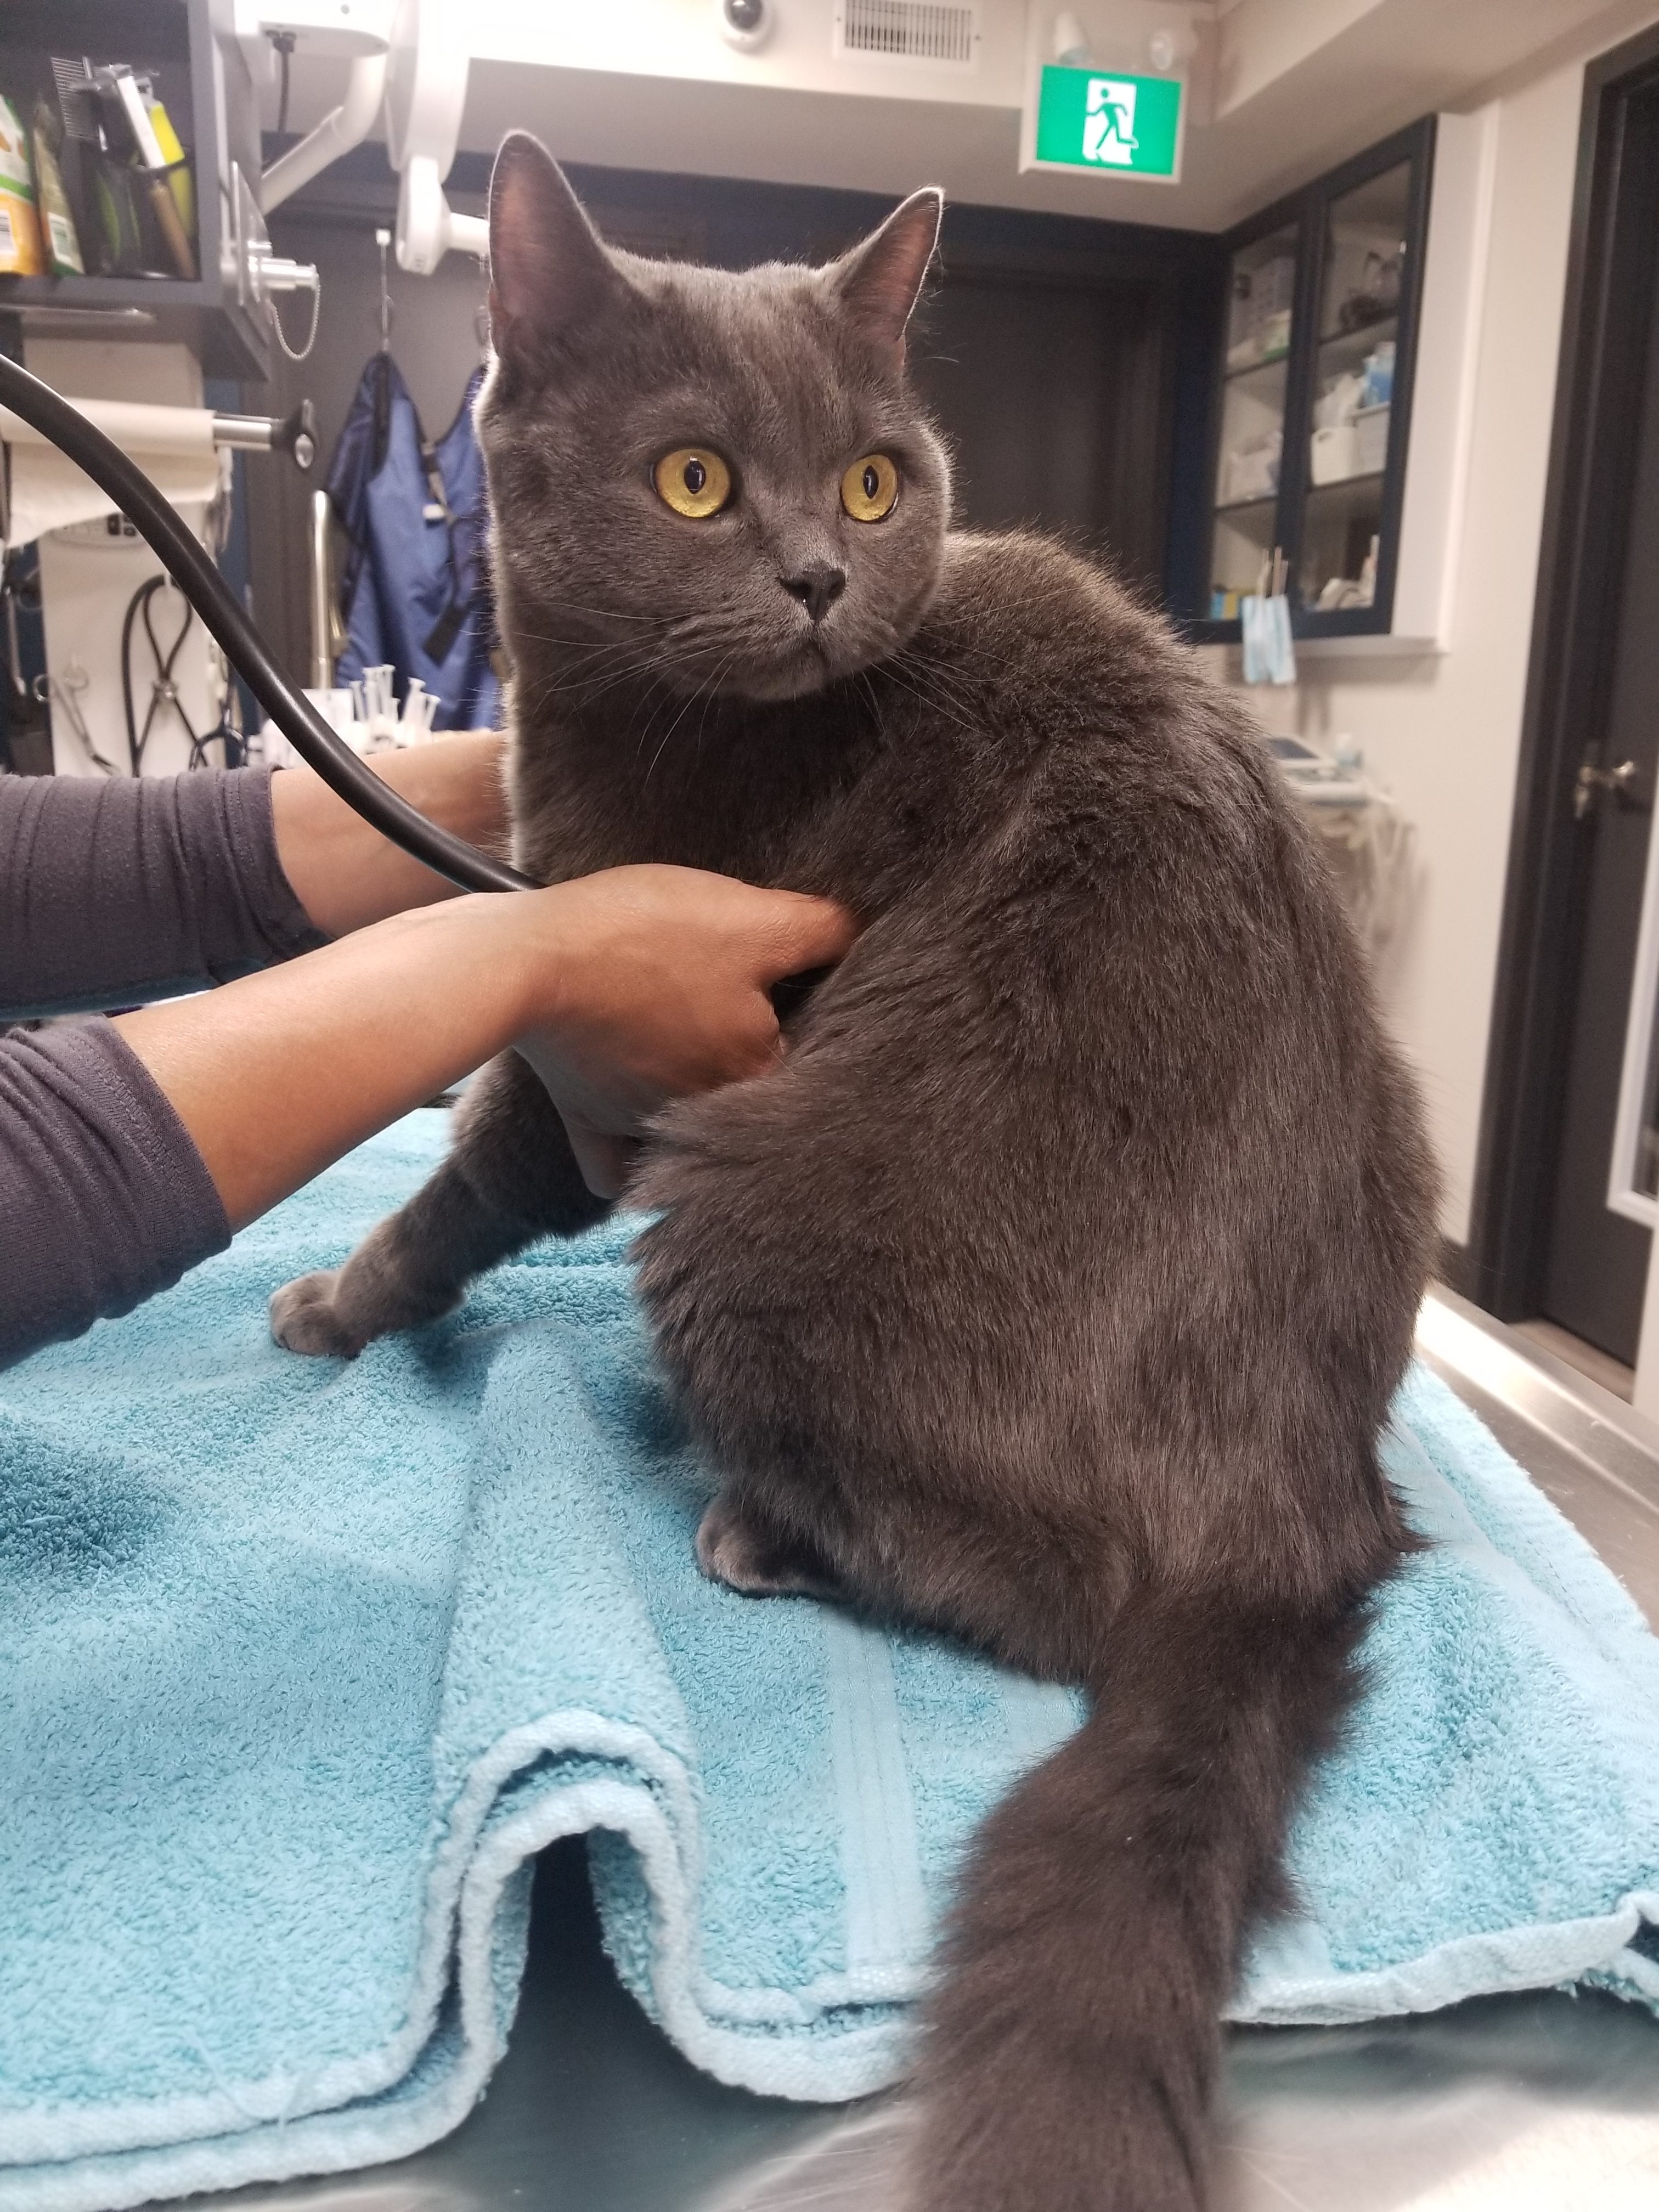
{"type": "Point", "coordinates": [817, 585]}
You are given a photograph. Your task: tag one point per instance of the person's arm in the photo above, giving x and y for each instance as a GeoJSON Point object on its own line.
{"type": "Point", "coordinates": [344, 873]}
{"type": "Point", "coordinates": [116, 891]}
{"type": "Point", "coordinates": [112, 891]}
{"type": "Point", "coordinates": [625, 989]}
{"type": "Point", "coordinates": [129, 1149]}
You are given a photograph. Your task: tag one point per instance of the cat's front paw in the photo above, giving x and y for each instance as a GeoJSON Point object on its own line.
{"type": "Point", "coordinates": [304, 1317]}
{"type": "Point", "coordinates": [731, 1550]}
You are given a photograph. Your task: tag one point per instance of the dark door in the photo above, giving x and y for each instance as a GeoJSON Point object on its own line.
{"type": "Point", "coordinates": [1052, 398]}
{"type": "Point", "coordinates": [1543, 1239]}
{"type": "Point", "coordinates": [1595, 1267]}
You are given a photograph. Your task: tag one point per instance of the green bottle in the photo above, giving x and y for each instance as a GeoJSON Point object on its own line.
{"type": "Point", "coordinates": [63, 245]}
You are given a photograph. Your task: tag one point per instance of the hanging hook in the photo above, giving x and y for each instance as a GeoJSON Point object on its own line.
{"type": "Point", "coordinates": [383, 240]}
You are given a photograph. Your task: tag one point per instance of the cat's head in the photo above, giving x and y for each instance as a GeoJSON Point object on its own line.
{"type": "Point", "coordinates": [715, 480]}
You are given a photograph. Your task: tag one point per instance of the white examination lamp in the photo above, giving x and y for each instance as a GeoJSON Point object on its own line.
{"type": "Point", "coordinates": [357, 31]}
{"type": "Point", "coordinates": [425, 93]}
{"type": "Point", "coordinates": [409, 57]}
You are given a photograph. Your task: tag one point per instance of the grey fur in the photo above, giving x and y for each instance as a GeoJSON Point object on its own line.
{"type": "Point", "coordinates": [1053, 1291]}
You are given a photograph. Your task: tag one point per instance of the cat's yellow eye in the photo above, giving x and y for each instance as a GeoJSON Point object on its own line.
{"type": "Point", "coordinates": [693, 480]}
{"type": "Point", "coordinates": [869, 488]}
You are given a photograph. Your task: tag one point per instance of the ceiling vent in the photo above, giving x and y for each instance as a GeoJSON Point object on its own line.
{"type": "Point", "coordinates": [941, 34]}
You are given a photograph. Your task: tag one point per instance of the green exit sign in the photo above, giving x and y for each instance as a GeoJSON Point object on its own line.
{"type": "Point", "coordinates": [1105, 123]}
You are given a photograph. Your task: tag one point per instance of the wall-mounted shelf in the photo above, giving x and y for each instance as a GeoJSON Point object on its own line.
{"type": "Point", "coordinates": [210, 99]}
{"type": "Point", "coordinates": [1257, 367]}
{"type": "Point", "coordinates": [1368, 278]}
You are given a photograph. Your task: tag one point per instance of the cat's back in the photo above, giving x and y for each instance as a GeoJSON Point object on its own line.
{"type": "Point", "coordinates": [1097, 727]}
{"type": "Point", "coordinates": [1145, 879]}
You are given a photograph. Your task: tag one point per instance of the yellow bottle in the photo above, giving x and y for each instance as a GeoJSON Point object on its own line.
{"type": "Point", "coordinates": [179, 180]}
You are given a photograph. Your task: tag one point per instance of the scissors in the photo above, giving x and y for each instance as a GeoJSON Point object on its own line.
{"type": "Point", "coordinates": [65, 691]}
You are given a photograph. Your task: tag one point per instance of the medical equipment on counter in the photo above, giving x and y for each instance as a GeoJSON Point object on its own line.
{"type": "Point", "coordinates": [165, 701]}
{"type": "Point", "coordinates": [365, 713]}
{"type": "Point", "coordinates": [386, 724]}
{"type": "Point", "coordinates": [192, 569]}
{"type": "Point", "coordinates": [1320, 779]}
{"type": "Point", "coordinates": [93, 568]}
{"type": "Point", "coordinates": [1367, 840]}
{"type": "Point", "coordinates": [63, 691]}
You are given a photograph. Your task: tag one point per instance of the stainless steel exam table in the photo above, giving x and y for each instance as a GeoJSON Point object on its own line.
{"type": "Point", "coordinates": [1532, 2104]}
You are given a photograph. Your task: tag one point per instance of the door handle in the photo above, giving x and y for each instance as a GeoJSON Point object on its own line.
{"type": "Point", "coordinates": [1620, 781]}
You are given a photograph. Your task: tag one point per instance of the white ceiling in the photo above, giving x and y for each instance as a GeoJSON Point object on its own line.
{"type": "Point", "coordinates": [1293, 85]}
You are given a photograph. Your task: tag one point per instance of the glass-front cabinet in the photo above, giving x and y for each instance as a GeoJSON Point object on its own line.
{"type": "Point", "coordinates": [1314, 384]}
{"type": "Point", "coordinates": [1250, 450]}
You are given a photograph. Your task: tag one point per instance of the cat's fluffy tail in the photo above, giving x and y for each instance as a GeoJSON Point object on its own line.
{"type": "Point", "coordinates": [1072, 2045]}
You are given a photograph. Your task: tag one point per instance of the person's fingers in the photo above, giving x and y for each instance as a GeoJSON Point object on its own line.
{"type": "Point", "coordinates": [808, 933]}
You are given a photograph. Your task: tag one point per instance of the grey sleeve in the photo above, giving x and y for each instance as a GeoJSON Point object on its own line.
{"type": "Point", "coordinates": [116, 891]}
{"type": "Point", "coordinates": [112, 892]}
{"type": "Point", "coordinates": [104, 1199]}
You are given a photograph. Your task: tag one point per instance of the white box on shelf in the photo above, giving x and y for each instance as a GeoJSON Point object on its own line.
{"type": "Point", "coordinates": [1370, 440]}
{"type": "Point", "coordinates": [1331, 457]}
{"type": "Point", "coordinates": [1250, 470]}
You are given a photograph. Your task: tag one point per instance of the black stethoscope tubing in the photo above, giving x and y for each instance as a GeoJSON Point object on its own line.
{"type": "Point", "coordinates": [194, 572]}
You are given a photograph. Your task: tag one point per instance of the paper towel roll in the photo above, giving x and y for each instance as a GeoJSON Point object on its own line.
{"type": "Point", "coordinates": [173, 446]}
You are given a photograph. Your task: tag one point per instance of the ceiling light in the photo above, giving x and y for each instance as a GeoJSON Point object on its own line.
{"type": "Point", "coordinates": [1072, 48]}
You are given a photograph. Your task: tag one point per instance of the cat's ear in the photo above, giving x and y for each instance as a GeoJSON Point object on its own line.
{"type": "Point", "coordinates": [879, 283]}
{"type": "Point", "coordinates": [549, 272]}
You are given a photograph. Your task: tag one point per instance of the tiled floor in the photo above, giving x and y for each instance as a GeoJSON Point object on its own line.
{"type": "Point", "coordinates": [1601, 1366]}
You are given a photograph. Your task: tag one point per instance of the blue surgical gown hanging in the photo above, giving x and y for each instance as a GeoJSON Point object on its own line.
{"type": "Point", "coordinates": [416, 591]}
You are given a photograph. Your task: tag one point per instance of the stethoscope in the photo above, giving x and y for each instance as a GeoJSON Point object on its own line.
{"type": "Point", "coordinates": [192, 569]}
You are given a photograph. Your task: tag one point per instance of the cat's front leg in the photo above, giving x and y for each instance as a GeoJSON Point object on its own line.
{"type": "Point", "coordinates": [510, 1178]}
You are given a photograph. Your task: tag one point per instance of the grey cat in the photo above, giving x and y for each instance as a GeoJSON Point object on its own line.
{"type": "Point", "coordinates": [1053, 1290]}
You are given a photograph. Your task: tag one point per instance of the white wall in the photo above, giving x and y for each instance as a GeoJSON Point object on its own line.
{"type": "Point", "coordinates": [1443, 733]}
{"type": "Point", "coordinates": [1280, 90]}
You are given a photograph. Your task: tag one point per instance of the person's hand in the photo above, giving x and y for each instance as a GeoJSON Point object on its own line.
{"type": "Point", "coordinates": [623, 990]}
{"type": "Point", "coordinates": [659, 988]}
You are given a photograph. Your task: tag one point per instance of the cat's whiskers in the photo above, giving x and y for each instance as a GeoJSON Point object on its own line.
{"type": "Point", "coordinates": [583, 646]}
{"type": "Point", "coordinates": [664, 700]}
{"type": "Point", "coordinates": [864, 677]}
{"type": "Point", "coordinates": [933, 700]}
{"type": "Point", "coordinates": [599, 649]}
{"type": "Point", "coordinates": [950, 677]}
{"type": "Point", "coordinates": [601, 669]}
{"type": "Point", "coordinates": [587, 669]}
{"type": "Point", "coordinates": [548, 693]}
{"type": "Point", "coordinates": [582, 607]}
{"type": "Point", "coordinates": [655, 695]}
{"type": "Point", "coordinates": [918, 659]}
{"type": "Point", "coordinates": [709, 685]}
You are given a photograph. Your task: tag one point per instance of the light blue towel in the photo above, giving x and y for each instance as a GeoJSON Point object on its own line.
{"type": "Point", "coordinates": [299, 1661]}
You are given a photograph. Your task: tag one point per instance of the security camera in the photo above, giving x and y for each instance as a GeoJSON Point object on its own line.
{"type": "Point", "coordinates": [746, 24]}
